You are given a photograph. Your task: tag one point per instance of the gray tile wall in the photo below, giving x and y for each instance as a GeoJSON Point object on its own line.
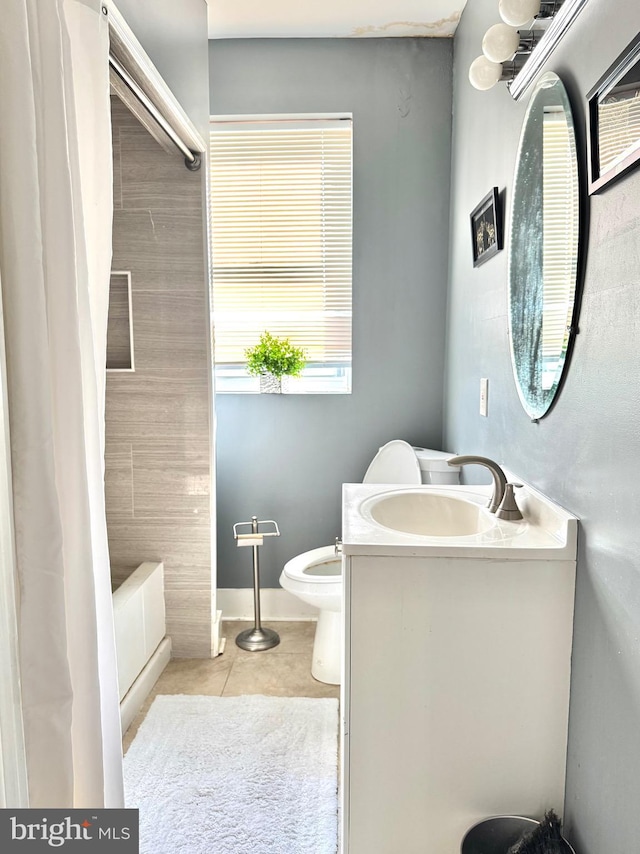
{"type": "Point", "coordinates": [158, 477]}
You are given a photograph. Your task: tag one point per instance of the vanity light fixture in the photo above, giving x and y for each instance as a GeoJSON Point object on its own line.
{"type": "Point", "coordinates": [515, 55]}
{"type": "Point", "coordinates": [517, 13]}
{"type": "Point", "coordinates": [484, 73]}
{"type": "Point", "coordinates": [501, 42]}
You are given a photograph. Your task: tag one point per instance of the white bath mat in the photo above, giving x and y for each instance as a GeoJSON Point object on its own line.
{"type": "Point", "coordinates": [235, 775]}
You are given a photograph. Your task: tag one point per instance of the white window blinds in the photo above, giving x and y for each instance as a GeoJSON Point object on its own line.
{"type": "Point", "coordinates": [619, 125]}
{"type": "Point", "coordinates": [560, 228]}
{"type": "Point", "coordinates": [281, 217]}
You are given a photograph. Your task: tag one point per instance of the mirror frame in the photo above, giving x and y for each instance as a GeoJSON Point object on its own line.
{"type": "Point", "coordinates": [536, 413]}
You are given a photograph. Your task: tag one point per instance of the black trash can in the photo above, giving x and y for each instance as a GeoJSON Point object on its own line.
{"type": "Point", "coordinates": [497, 834]}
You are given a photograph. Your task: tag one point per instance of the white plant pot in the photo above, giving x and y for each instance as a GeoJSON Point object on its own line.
{"type": "Point", "coordinates": [270, 384]}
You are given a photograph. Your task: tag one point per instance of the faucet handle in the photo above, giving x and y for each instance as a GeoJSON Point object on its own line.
{"type": "Point", "coordinates": [508, 508]}
{"type": "Point", "coordinates": [499, 479]}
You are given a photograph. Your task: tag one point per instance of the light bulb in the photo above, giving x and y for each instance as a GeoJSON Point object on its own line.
{"type": "Point", "coordinates": [517, 13]}
{"type": "Point", "coordinates": [500, 42]}
{"type": "Point", "coordinates": [483, 74]}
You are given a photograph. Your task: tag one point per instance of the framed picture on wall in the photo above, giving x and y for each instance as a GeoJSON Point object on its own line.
{"type": "Point", "coordinates": [614, 119]}
{"type": "Point", "coordinates": [486, 228]}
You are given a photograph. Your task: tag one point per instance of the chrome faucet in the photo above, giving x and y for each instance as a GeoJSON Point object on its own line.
{"type": "Point", "coordinates": [499, 479]}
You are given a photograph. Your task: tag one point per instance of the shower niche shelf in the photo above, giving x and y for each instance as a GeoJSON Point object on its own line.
{"type": "Point", "coordinates": [120, 323]}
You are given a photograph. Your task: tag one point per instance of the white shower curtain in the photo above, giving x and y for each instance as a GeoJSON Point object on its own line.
{"type": "Point", "coordinates": [55, 251]}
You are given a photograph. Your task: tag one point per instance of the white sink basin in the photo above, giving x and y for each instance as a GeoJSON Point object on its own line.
{"type": "Point", "coordinates": [452, 521]}
{"type": "Point", "coordinates": [428, 514]}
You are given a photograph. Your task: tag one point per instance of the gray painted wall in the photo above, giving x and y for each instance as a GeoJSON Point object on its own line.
{"type": "Point", "coordinates": [586, 453]}
{"type": "Point", "coordinates": [285, 457]}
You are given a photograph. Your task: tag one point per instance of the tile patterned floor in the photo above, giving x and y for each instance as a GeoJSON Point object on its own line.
{"type": "Point", "coordinates": [284, 671]}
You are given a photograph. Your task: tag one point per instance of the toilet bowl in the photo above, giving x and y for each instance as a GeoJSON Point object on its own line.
{"type": "Point", "coordinates": [315, 576]}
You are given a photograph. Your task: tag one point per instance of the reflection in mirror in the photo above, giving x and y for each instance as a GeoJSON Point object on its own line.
{"type": "Point", "coordinates": [614, 118]}
{"type": "Point", "coordinates": [619, 127]}
{"type": "Point", "coordinates": [543, 247]}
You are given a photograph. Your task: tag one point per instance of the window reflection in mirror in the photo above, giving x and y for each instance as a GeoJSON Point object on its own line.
{"type": "Point", "coordinates": [560, 220]}
{"type": "Point", "coordinates": [543, 248]}
{"type": "Point", "coordinates": [614, 119]}
{"type": "Point", "coordinates": [620, 121]}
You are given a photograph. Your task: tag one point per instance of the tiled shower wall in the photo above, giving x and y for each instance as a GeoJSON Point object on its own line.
{"type": "Point", "coordinates": [158, 476]}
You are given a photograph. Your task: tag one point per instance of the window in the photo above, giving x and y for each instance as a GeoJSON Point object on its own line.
{"type": "Point", "coordinates": [280, 205]}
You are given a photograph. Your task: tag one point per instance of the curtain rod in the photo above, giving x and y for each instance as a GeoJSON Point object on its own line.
{"type": "Point", "coordinates": [134, 72]}
{"type": "Point", "coordinates": [192, 160]}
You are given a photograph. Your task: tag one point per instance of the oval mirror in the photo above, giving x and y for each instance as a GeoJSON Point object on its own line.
{"type": "Point", "coordinates": [543, 246]}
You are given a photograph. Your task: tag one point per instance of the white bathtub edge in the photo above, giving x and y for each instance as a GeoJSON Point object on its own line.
{"type": "Point", "coordinates": [134, 699]}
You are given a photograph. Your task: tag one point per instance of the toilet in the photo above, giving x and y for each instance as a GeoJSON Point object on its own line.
{"type": "Point", "coordinates": [315, 576]}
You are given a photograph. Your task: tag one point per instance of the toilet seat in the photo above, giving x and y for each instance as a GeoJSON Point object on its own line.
{"type": "Point", "coordinates": [395, 462]}
{"type": "Point", "coordinates": [302, 566]}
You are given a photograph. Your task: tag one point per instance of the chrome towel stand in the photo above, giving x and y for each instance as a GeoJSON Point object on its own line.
{"type": "Point", "coordinates": [257, 638]}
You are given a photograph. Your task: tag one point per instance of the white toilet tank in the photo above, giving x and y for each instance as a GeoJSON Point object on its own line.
{"type": "Point", "coordinates": [434, 467]}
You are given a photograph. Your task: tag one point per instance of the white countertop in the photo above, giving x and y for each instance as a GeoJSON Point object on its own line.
{"type": "Point", "coordinates": [547, 529]}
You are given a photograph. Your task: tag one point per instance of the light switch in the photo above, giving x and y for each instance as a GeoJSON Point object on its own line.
{"type": "Point", "coordinates": [484, 395]}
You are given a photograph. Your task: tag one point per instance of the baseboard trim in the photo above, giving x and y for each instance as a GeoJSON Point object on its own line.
{"type": "Point", "coordinates": [275, 604]}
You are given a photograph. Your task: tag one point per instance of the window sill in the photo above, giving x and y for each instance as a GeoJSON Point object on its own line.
{"type": "Point", "coordinates": [280, 394]}
{"type": "Point", "coordinates": [315, 380]}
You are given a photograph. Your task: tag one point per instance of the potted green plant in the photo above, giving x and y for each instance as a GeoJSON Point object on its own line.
{"type": "Point", "coordinates": [273, 358]}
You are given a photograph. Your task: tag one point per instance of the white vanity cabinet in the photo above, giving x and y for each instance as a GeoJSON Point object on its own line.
{"type": "Point", "coordinates": [456, 688]}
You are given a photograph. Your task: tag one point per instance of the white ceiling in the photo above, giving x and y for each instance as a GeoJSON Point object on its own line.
{"type": "Point", "coordinates": [234, 19]}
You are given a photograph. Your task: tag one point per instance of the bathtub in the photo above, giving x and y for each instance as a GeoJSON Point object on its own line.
{"type": "Point", "coordinates": [142, 647]}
